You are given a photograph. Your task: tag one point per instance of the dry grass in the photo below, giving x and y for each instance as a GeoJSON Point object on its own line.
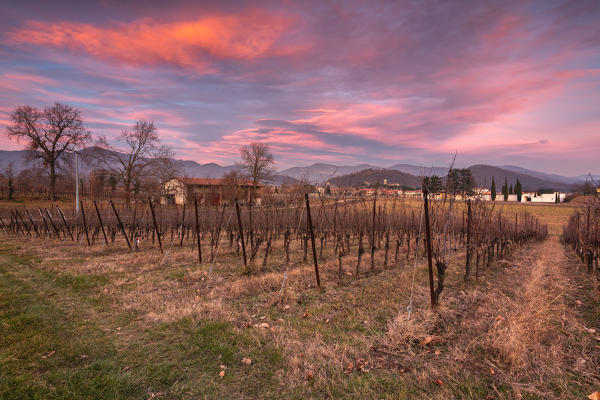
{"type": "Point", "coordinates": [515, 333]}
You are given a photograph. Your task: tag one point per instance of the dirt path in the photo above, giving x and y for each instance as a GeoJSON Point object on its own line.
{"type": "Point", "coordinates": [530, 330]}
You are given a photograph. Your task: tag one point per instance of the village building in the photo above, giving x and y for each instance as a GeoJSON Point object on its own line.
{"type": "Point", "coordinates": [208, 191]}
{"type": "Point", "coordinates": [543, 197]}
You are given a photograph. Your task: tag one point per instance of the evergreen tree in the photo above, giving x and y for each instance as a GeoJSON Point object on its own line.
{"type": "Point", "coordinates": [460, 182]}
{"type": "Point", "coordinates": [510, 190]}
{"type": "Point", "coordinates": [433, 184]}
{"type": "Point", "coordinates": [493, 189]}
{"type": "Point", "coordinates": [505, 189]}
{"type": "Point", "coordinates": [519, 191]}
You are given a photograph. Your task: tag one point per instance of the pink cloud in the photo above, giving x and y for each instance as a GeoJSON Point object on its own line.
{"type": "Point", "coordinates": [191, 43]}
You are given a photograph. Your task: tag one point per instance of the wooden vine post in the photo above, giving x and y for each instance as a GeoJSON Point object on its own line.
{"type": "Point", "coordinates": [312, 239]}
{"type": "Point", "coordinates": [428, 244]}
{"type": "Point", "coordinates": [241, 229]}
{"type": "Point", "coordinates": [53, 226]}
{"type": "Point", "coordinates": [65, 222]}
{"type": "Point", "coordinates": [32, 224]}
{"type": "Point", "coordinates": [27, 227]}
{"type": "Point", "coordinates": [198, 230]}
{"type": "Point", "coordinates": [101, 224]}
{"type": "Point", "coordinates": [121, 225]}
{"type": "Point", "coordinates": [468, 261]}
{"type": "Point", "coordinates": [155, 226]}
{"type": "Point", "coordinates": [85, 228]}
{"type": "Point", "coordinates": [373, 231]}
{"type": "Point", "coordinates": [45, 223]}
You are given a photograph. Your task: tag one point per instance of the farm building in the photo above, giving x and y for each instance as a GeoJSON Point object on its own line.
{"type": "Point", "coordinates": [543, 198]}
{"type": "Point", "coordinates": [212, 192]}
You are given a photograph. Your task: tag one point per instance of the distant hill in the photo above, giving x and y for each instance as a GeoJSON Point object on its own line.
{"type": "Point", "coordinates": [583, 178]}
{"type": "Point", "coordinates": [187, 167]}
{"type": "Point", "coordinates": [319, 173]}
{"type": "Point", "coordinates": [374, 176]}
{"type": "Point", "coordinates": [16, 157]}
{"type": "Point", "coordinates": [541, 175]}
{"type": "Point", "coordinates": [483, 175]}
{"type": "Point", "coordinates": [420, 170]}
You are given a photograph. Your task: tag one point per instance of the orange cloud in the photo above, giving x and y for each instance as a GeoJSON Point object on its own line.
{"type": "Point", "coordinates": [186, 43]}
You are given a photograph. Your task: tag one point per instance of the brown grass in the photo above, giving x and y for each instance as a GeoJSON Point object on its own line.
{"type": "Point", "coordinates": [515, 332]}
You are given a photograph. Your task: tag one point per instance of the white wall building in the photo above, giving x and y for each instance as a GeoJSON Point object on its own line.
{"type": "Point", "coordinates": [543, 198]}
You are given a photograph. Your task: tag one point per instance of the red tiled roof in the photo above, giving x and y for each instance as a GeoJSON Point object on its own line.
{"type": "Point", "coordinates": [209, 181]}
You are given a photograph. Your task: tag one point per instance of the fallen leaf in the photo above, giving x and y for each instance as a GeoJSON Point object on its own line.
{"type": "Point", "coordinates": [286, 307]}
{"type": "Point", "coordinates": [349, 273]}
{"type": "Point", "coordinates": [306, 315]}
{"type": "Point", "coordinates": [83, 357]}
{"type": "Point", "coordinates": [439, 382]}
{"type": "Point", "coordinates": [492, 371]}
{"type": "Point", "coordinates": [362, 365]}
{"type": "Point", "coordinates": [246, 361]}
{"type": "Point", "coordinates": [223, 366]}
{"type": "Point", "coordinates": [437, 352]}
{"type": "Point", "coordinates": [349, 368]}
{"type": "Point", "coordinates": [426, 341]}
{"type": "Point", "coordinates": [590, 330]}
{"type": "Point", "coordinates": [49, 354]}
{"type": "Point", "coordinates": [264, 325]}
{"type": "Point", "coordinates": [309, 375]}
{"type": "Point", "coordinates": [594, 396]}
{"type": "Point", "coordinates": [221, 374]}
{"type": "Point", "coordinates": [578, 302]}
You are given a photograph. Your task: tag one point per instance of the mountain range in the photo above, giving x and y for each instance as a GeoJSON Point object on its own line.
{"type": "Point", "coordinates": [345, 175]}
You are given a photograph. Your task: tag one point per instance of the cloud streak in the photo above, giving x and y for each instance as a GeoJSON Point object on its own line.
{"type": "Point", "coordinates": [190, 44]}
{"type": "Point", "coordinates": [496, 81]}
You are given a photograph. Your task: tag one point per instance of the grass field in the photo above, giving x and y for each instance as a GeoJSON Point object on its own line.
{"type": "Point", "coordinates": [79, 322]}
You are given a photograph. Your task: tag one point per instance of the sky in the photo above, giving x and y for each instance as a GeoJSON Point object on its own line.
{"type": "Point", "coordinates": [341, 82]}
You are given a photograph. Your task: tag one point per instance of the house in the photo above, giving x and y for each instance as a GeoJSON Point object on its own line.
{"type": "Point", "coordinates": [412, 194]}
{"type": "Point", "coordinates": [208, 191]}
{"type": "Point", "coordinates": [543, 198]}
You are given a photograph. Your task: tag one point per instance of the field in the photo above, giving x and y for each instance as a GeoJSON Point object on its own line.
{"type": "Point", "coordinates": [80, 321]}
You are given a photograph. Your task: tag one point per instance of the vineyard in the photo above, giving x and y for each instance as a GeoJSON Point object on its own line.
{"type": "Point", "coordinates": [329, 297]}
{"type": "Point", "coordinates": [582, 233]}
{"type": "Point", "coordinates": [361, 235]}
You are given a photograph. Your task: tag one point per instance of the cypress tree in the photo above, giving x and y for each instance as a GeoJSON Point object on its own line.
{"type": "Point", "coordinates": [493, 189]}
{"type": "Point", "coordinates": [511, 191]}
{"type": "Point", "coordinates": [505, 189]}
{"type": "Point", "coordinates": [519, 191]}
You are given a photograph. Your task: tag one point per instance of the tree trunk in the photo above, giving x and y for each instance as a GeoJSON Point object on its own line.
{"type": "Point", "coordinates": [52, 181]}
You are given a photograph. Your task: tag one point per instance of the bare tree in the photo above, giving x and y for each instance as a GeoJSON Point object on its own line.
{"type": "Point", "coordinates": [165, 168]}
{"type": "Point", "coordinates": [257, 162]}
{"type": "Point", "coordinates": [136, 159]}
{"type": "Point", "coordinates": [10, 180]}
{"type": "Point", "coordinates": [49, 133]}
{"type": "Point", "coordinates": [232, 182]}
